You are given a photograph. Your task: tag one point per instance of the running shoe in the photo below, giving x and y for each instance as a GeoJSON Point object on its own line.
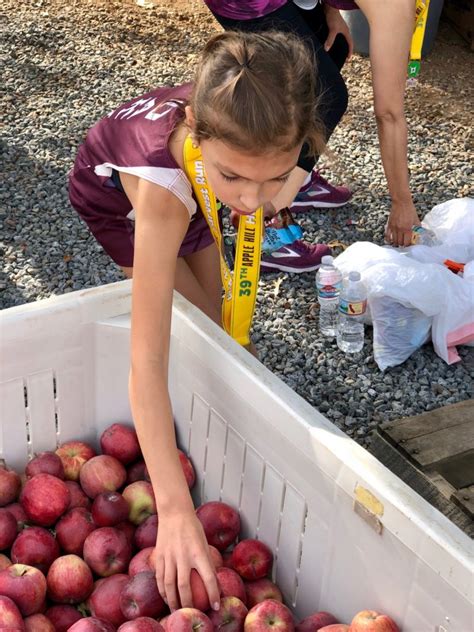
{"type": "Point", "coordinates": [319, 193]}
{"type": "Point", "coordinates": [300, 256]}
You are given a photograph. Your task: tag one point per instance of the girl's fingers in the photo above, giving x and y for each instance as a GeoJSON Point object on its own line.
{"type": "Point", "coordinates": [159, 574]}
{"type": "Point", "coordinates": [184, 586]}
{"type": "Point", "coordinates": [170, 585]}
{"type": "Point", "coordinates": [209, 578]}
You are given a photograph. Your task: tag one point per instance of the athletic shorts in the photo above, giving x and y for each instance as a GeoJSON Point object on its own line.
{"type": "Point", "coordinates": [104, 208]}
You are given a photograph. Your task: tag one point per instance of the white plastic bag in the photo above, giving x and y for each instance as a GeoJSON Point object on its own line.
{"type": "Point", "coordinates": [417, 279]}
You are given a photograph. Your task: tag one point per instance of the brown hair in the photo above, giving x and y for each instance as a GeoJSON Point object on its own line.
{"type": "Point", "coordinates": [257, 92]}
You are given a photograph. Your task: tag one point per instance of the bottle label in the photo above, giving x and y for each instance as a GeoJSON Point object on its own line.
{"type": "Point", "coordinates": [329, 290]}
{"type": "Point", "coordinates": [352, 308]}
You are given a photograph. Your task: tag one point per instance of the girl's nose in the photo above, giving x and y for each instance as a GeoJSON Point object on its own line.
{"type": "Point", "coordinates": [251, 199]}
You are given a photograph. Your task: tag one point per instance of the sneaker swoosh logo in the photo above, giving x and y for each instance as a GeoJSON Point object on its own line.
{"type": "Point", "coordinates": [321, 190]}
{"type": "Point", "coordinates": [278, 254]}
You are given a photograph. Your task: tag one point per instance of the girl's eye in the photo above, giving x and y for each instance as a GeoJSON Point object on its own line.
{"type": "Point", "coordinates": [229, 178]}
{"type": "Point", "coordinates": [284, 179]}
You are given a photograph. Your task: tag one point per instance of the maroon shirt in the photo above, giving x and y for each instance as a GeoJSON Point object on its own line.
{"type": "Point", "coordinates": [133, 139]}
{"type": "Point", "coordinates": [251, 9]}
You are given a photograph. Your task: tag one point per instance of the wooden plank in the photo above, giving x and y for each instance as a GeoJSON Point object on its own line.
{"type": "Point", "coordinates": [464, 498]}
{"type": "Point", "coordinates": [417, 480]}
{"type": "Point", "coordinates": [459, 469]}
{"type": "Point", "coordinates": [410, 427]}
{"type": "Point", "coordinates": [438, 446]}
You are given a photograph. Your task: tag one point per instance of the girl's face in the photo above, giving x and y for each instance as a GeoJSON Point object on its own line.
{"type": "Point", "coordinates": [244, 181]}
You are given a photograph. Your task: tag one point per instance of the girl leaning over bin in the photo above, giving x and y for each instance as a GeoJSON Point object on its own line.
{"type": "Point", "coordinates": [247, 115]}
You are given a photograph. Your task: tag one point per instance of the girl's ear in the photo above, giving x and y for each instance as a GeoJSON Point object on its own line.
{"type": "Point", "coordinates": [191, 122]}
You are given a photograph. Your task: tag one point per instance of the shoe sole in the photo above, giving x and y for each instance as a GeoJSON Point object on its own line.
{"type": "Point", "coordinates": [316, 205]}
{"type": "Point", "coordinates": [272, 267]}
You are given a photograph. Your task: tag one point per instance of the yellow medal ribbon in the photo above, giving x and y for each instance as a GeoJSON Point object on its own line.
{"type": "Point", "coordinates": [421, 18]}
{"type": "Point", "coordinates": [240, 289]}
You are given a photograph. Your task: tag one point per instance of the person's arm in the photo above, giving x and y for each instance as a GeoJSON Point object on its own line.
{"type": "Point", "coordinates": [161, 223]}
{"type": "Point", "coordinates": [391, 29]}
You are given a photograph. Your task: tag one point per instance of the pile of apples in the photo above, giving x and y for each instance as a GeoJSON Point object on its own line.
{"type": "Point", "coordinates": [77, 531]}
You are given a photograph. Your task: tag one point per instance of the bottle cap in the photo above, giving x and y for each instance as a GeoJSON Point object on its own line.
{"type": "Point", "coordinates": [327, 260]}
{"type": "Point", "coordinates": [354, 276]}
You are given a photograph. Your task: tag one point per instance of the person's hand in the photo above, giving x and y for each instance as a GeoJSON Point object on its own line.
{"type": "Point", "coordinates": [337, 24]}
{"type": "Point", "coordinates": [180, 546]}
{"type": "Point", "coordinates": [403, 217]}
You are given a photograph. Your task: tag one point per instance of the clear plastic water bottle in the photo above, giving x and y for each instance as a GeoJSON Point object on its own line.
{"type": "Point", "coordinates": [328, 287]}
{"type": "Point", "coordinates": [352, 306]}
{"type": "Point", "coordinates": [423, 237]}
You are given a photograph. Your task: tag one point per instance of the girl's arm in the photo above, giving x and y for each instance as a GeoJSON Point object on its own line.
{"type": "Point", "coordinates": [161, 223]}
{"type": "Point", "coordinates": [391, 29]}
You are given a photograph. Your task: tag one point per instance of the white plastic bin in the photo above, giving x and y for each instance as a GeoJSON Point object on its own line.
{"type": "Point", "coordinates": [347, 534]}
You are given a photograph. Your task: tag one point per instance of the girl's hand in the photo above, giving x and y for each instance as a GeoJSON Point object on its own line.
{"type": "Point", "coordinates": [180, 546]}
{"type": "Point", "coordinates": [337, 24]}
{"type": "Point", "coordinates": [403, 217]}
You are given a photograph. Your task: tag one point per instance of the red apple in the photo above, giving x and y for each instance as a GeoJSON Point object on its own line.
{"type": "Point", "coordinates": [8, 529]}
{"type": "Point", "coordinates": [231, 584]}
{"type": "Point", "coordinates": [73, 455]}
{"type": "Point", "coordinates": [252, 559]}
{"type": "Point", "coordinates": [141, 501]}
{"type": "Point", "coordinates": [20, 515]}
{"type": "Point", "coordinates": [231, 615]}
{"type": "Point", "coordinates": [10, 616]}
{"type": "Point", "coordinates": [10, 485]}
{"type": "Point", "coordinates": [221, 523]}
{"type": "Point", "coordinates": [104, 601]}
{"type": "Point", "coordinates": [164, 621]}
{"type": "Point", "coordinates": [141, 562]}
{"type": "Point", "coordinates": [25, 585]}
{"type": "Point", "coordinates": [227, 559]}
{"type": "Point", "coordinates": [109, 508]}
{"type": "Point", "coordinates": [44, 498]}
{"type": "Point", "coordinates": [39, 623]}
{"type": "Point", "coordinates": [188, 620]}
{"type": "Point", "coordinates": [216, 556]}
{"type": "Point", "coordinates": [78, 497]}
{"type": "Point", "coordinates": [91, 624]}
{"type": "Point", "coordinates": [129, 529]}
{"type": "Point", "coordinates": [140, 597]}
{"type": "Point", "coordinates": [145, 535]}
{"type": "Point", "coordinates": [262, 589]}
{"type": "Point", "coordinates": [107, 551]}
{"type": "Point", "coordinates": [137, 472]}
{"type": "Point", "coordinates": [35, 546]}
{"type": "Point", "coordinates": [45, 463]}
{"type": "Point", "coordinates": [5, 561]}
{"type": "Point", "coordinates": [335, 627]}
{"type": "Point", "coordinates": [315, 621]}
{"type": "Point", "coordinates": [102, 473]}
{"type": "Point", "coordinates": [372, 621]}
{"type": "Point", "coordinates": [121, 442]}
{"type": "Point", "coordinates": [269, 615]}
{"type": "Point", "coordinates": [73, 528]}
{"type": "Point", "coordinates": [198, 591]}
{"type": "Point", "coordinates": [141, 624]}
{"type": "Point", "coordinates": [188, 469]}
{"type": "Point", "coordinates": [63, 616]}
{"type": "Point", "coordinates": [69, 580]}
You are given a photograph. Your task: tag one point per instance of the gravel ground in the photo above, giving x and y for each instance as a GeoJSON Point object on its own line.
{"type": "Point", "coordinates": [67, 64]}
